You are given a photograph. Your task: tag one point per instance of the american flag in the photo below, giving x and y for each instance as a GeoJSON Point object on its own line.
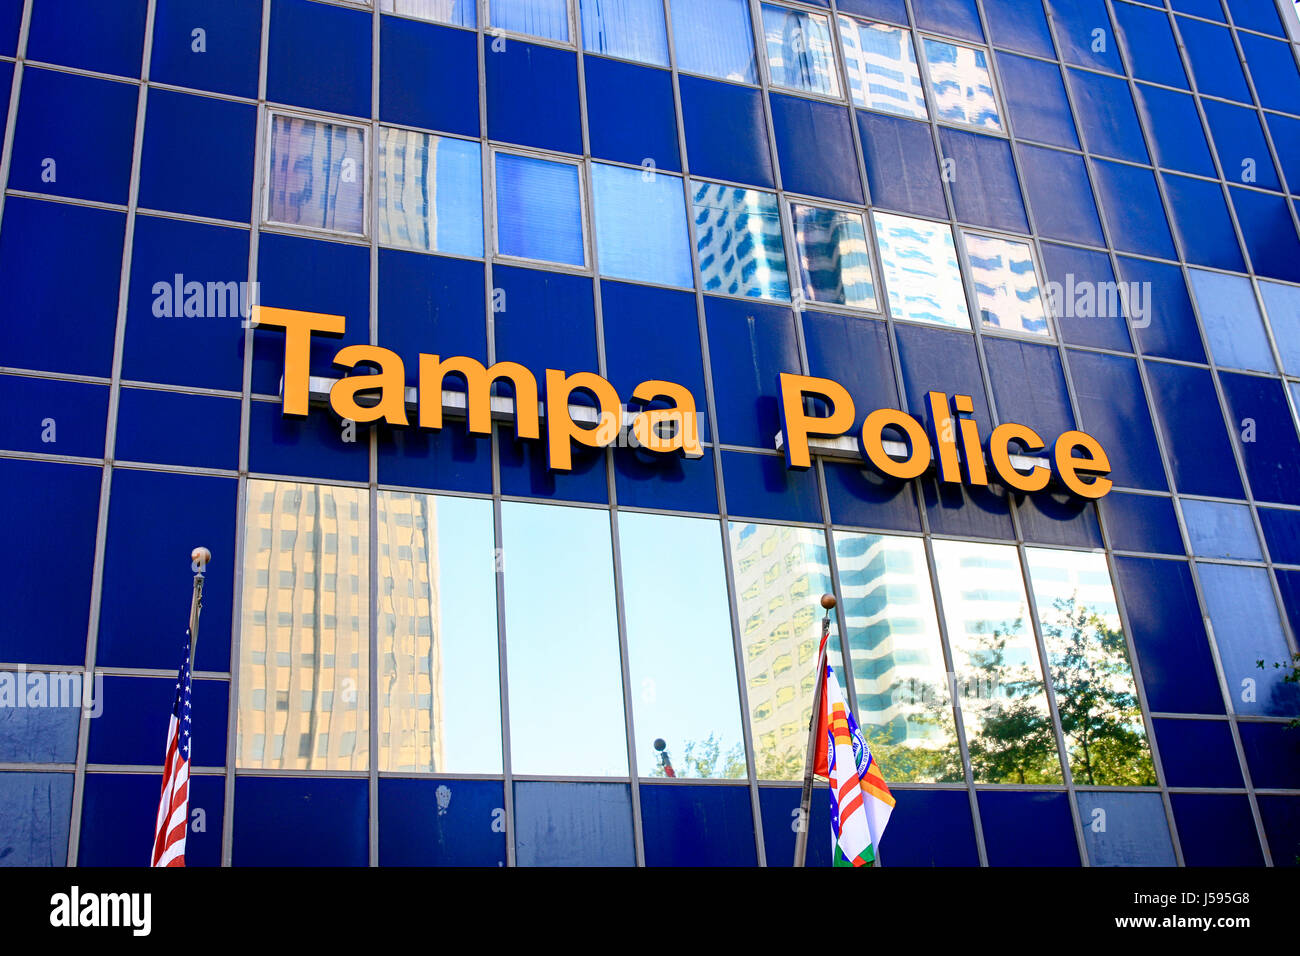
{"type": "Point", "coordinates": [174, 803]}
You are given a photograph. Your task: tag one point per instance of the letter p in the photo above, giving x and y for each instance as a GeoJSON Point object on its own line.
{"type": "Point", "coordinates": [797, 425]}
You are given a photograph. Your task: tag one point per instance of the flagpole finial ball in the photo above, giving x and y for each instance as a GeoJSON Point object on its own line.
{"type": "Point", "coordinates": [201, 556]}
{"type": "Point", "coordinates": [660, 744]}
{"type": "Point", "coordinates": [828, 601]}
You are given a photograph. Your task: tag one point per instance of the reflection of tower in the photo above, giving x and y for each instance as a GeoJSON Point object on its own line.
{"type": "Point", "coordinates": [407, 188]}
{"type": "Point", "coordinates": [834, 256]}
{"type": "Point", "coordinates": [882, 68]}
{"type": "Point", "coordinates": [960, 80]}
{"type": "Point", "coordinates": [317, 174]}
{"type": "Point", "coordinates": [739, 241]}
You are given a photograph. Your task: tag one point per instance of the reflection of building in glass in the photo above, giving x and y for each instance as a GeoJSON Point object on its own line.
{"type": "Point", "coordinates": [1006, 285]}
{"type": "Point", "coordinates": [881, 67]}
{"type": "Point", "coordinates": [799, 52]}
{"type": "Point", "coordinates": [408, 173]}
{"type": "Point", "coordinates": [317, 174]}
{"type": "Point", "coordinates": [834, 264]}
{"type": "Point", "coordinates": [738, 236]}
{"type": "Point", "coordinates": [919, 263]}
{"type": "Point", "coordinates": [959, 77]}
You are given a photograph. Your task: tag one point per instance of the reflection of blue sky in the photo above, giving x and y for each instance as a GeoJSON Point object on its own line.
{"type": "Point", "coordinates": [445, 215]}
{"type": "Point", "coordinates": [1006, 283]}
{"type": "Point", "coordinates": [682, 658]}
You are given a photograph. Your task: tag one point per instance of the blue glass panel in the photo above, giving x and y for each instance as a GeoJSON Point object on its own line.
{"type": "Point", "coordinates": [539, 18]}
{"type": "Point", "coordinates": [713, 37]}
{"type": "Point", "coordinates": [939, 360]}
{"type": "Point", "coordinates": [984, 191]}
{"type": "Point", "coordinates": [649, 480]}
{"type": "Point", "coordinates": [854, 353]}
{"type": "Point", "coordinates": [1210, 9]}
{"type": "Point", "coordinates": [11, 15]}
{"type": "Point", "coordinates": [1285, 131]}
{"type": "Point", "coordinates": [1221, 530]}
{"type": "Point", "coordinates": [45, 734]}
{"type": "Point", "coordinates": [1256, 16]}
{"type": "Point", "coordinates": [1228, 817]}
{"type": "Point", "coordinates": [815, 145]}
{"type": "Point", "coordinates": [966, 511]}
{"type": "Point", "coordinates": [532, 96]}
{"type": "Point", "coordinates": [441, 823]}
{"type": "Point", "coordinates": [451, 459]}
{"type": "Point", "coordinates": [697, 825]}
{"type": "Point", "coordinates": [1027, 829]}
{"type": "Point", "coordinates": [1059, 195]}
{"type": "Point", "coordinates": [216, 139]}
{"type": "Point", "coordinates": [430, 304]}
{"type": "Point", "coordinates": [428, 76]}
{"type": "Point", "coordinates": [1273, 68]}
{"type": "Point", "coordinates": [1288, 583]}
{"type": "Point", "coordinates": [1231, 318]}
{"type": "Point", "coordinates": [119, 813]}
{"type": "Point", "coordinates": [168, 428]}
{"type": "Point", "coordinates": [738, 241]}
{"type": "Point", "coordinates": [154, 519]}
{"type": "Point", "coordinates": [1106, 115]}
{"type": "Point", "coordinates": [50, 416]}
{"type": "Point", "coordinates": [1281, 816]}
{"type": "Point", "coordinates": [1133, 209]}
{"type": "Point", "coordinates": [524, 471]}
{"type": "Point", "coordinates": [1201, 218]}
{"type": "Point", "coordinates": [1088, 307]}
{"type": "Point", "coordinates": [780, 810]}
{"type": "Point", "coordinates": [1282, 303]}
{"type": "Point", "coordinates": [34, 828]}
{"type": "Point", "coordinates": [1141, 523]}
{"type": "Point", "coordinates": [1028, 385]}
{"type": "Point", "coordinates": [1036, 102]}
{"type": "Point", "coordinates": [288, 821]}
{"type": "Point", "coordinates": [45, 587]}
{"type": "Point", "coordinates": [232, 45]}
{"type": "Point", "coordinates": [1239, 142]}
{"type": "Point", "coordinates": [961, 89]}
{"type": "Point", "coordinates": [1187, 410]}
{"type": "Point", "coordinates": [630, 113]}
{"type": "Point", "coordinates": [1282, 534]}
{"type": "Point", "coordinates": [319, 57]}
{"type": "Point", "coordinates": [893, 11]}
{"type": "Point", "coordinates": [308, 448]}
{"type": "Point", "coordinates": [726, 135]}
{"type": "Point", "coordinates": [641, 230]}
{"type": "Point", "coordinates": [573, 824]}
{"type": "Point", "coordinates": [761, 486]}
{"type": "Point", "coordinates": [88, 34]}
{"type": "Point", "coordinates": [1177, 138]}
{"type": "Point", "coordinates": [1113, 409]}
{"type": "Point", "coordinates": [1019, 26]}
{"type": "Point", "coordinates": [1126, 829]}
{"type": "Point", "coordinates": [1270, 233]}
{"type": "Point", "coordinates": [1198, 753]}
{"type": "Point", "coordinates": [549, 321]}
{"type": "Point", "coordinates": [633, 30]}
{"type": "Point", "coordinates": [928, 828]}
{"type": "Point", "coordinates": [58, 115]}
{"type": "Point", "coordinates": [133, 726]}
{"type": "Point", "coordinates": [1084, 33]}
{"type": "Point", "coordinates": [1152, 52]}
{"type": "Point", "coordinates": [954, 18]}
{"type": "Point", "coordinates": [1166, 324]}
{"type": "Point", "coordinates": [902, 172]}
{"type": "Point", "coordinates": [1273, 450]}
{"type": "Point", "coordinates": [860, 496]}
{"type": "Point", "coordinates": [750, 344]}
{"type": "Point", "coordinates": [1059, 518]}
{"type": "Point", "coordinates": [1215, 65]}
{"type": "Point", "coordinates": [1240, 604]}
{"type": "Point", "coordinates": [1272, 754]}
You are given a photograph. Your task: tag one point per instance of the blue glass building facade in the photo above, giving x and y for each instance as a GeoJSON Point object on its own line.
{"type": "Point", "coordinates": [425, 647]}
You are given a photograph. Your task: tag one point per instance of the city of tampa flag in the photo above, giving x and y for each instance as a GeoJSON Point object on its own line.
{"type": "Point", "coordinates": [860, 800]}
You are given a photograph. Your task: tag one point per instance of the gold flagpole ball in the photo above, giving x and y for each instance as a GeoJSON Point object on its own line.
{"type": "Point", "coordinates": [201, 556]}
{"type": "Point", "coordinates": [828, 601]}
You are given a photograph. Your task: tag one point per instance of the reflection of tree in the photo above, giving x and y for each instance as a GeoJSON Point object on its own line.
{"type": "Point", "coordinates": [904, 758]}
{"type": "Point", "coordinates": [784, 765]}
{"type": "Point", "coordinates": [700, 759]}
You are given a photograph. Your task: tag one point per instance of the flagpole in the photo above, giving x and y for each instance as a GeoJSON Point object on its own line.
{"type": "Point", "coordinates": [810, 756]}
{"type": "Point", "coordinates": [199, 559]}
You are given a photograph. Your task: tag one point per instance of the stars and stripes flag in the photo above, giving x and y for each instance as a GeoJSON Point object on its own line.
{"type": "Point", "coordinates": [860, 800]}
{"type": "Point", "coordinates": [174, 803]}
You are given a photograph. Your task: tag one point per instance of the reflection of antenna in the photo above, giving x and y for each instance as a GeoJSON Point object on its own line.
{"type": "Point", "coordinates": [664, 762]}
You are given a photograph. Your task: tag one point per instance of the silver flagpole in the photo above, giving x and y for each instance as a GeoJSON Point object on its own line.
{"type": "Point", "coordinates": [810, 757]}
{"type": "Point", "coordinates": [199, 559]}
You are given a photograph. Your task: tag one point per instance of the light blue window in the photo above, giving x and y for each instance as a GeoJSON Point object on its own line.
{"type": "Point", "coordinates": [738, 238]}
{"type": "Point", "coordinates": [1232, 322]}
{"type": "Point", "coordinates": [800, 54]}
{"type": "Point", "coordinates": [430, 192]}
{"type": "Point", "coordinates": [317, 175]}
{"type": "Point", "coordinates": [713, 37]}
{"type": "Point", "coordinates": [919, 265]}
{"type": "Point", "coordinates": [539, 210]}
{"type": "Point", "coordinates": [457, 12]}
{"type": "Point", "coordinates": [1006, 284]}
{"type": "Point", "coordinates": [630, 29]}
{"type": "Point", "coordinates": [641, 225]}
{"type": "Point", "coordinates": [1282, 303]}
{"type": "Point", "coordinates": [539, 18]}
{"type": "Point", "coordinates": [1125, 829]}
{"type": "Point", "coordinates": [1221, 530]}
{"type": "Point", "coordinates": [834, 261]}
{"type": "Point", "coordinates": [960, 84]}
{"type": "Point", "coordinates": [881, 67]}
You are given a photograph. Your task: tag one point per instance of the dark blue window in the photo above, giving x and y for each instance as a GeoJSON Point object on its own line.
{"type": "Point", "coordinates": [928, 828]}
{"type": "Point", "coordinates": [1177, 138]}
{"type": "Point", "coordinates": [11, 15]}
{"type": "Point", "coordinates": [430, 304]}
{"type": "Point", "coordinates": [1210, 9]}
{"type": "Point", "coordinates": [451, 459]}
{"type": "Point", "coordinates": [1215, 65]}
{"type": "Point", "coordinates": [1281, 817]}
{"type": "Point", "coordinates": [288, 821]}
{"type": "Point", "coordinates": [964, 510]}
{"type": "Point", "coordinates": [1058, 518]}
{"type": "Point", "coordinates": [1168, 326]}
{"type": "Point", "coordinates": [45, 734]}
{"type": "Point", "coordinates": [312, 447]}
{"type": "Point", "coordinates": [750, 345]}
{"type": "Point", "coordinates": [1084, 33]}
{"type": "Point", "coordinates": [1189, 416]}
{"type": "Point", "coordinates": [1282, 533]}
{"type": "Point", "coordinates": [428, 76]}
{"type": "Point", "coordinates": [1141, 523]}
{"type": "Point", "coordinates": [1036, 102]}
{"type": "Point", "coordinates": [1113, 409]}
{"type": "Point", "coordinates": [1256, 16]}
{"type": "Point", "coordinates": [119, 813]}
{"type": "Point", "coordinates": [1028, 385]}
{"type": "Point", "coordinates": [902, 172]}
{"type": "Point", "coordinates": [815, 146]}
{"type": "Point", "coordinates": [954, 18]}
{"type": "Point", "coordinates": [573, 824]}
{"type": "Point", "coordinates": [855, 353]}
{"type": "Point", "coordinates": [133, 727]}
{"type": "Point", "coordinates": [894, 11]}
{"type": "Point", "coordinates": [38, 809]}
{"type": "Point", "coordinates": [1204, 227]}
{"type": "Point", "coordinates": [780, 807]}
{"type": "Point", "coordinates": [861, 496]}
{"type": "Point", "coordinates": [1152, 52]}
{"type": "Point", "coordinates": [1285, 131]}
{"type": "Point", "coordinates": [1273, 450]}
{"type": "Point", "coordinates": [697, 826]}
{"type": "Point", "coordinates": [1198, 753]}
{"type": "Point", "coordinates": [319, 57]}
{"type": "Point", "coordinates": [1273, 68]}
{"type": "Point", "coordinates": [1228, 817]}
{"type": "Point", "coordinates": [1272, 754]}
{"type": "Point", "coordinates": [1239, 142]}
{"type": "Point", "coordinates": [524, 471]}
{"type": "Point", "coordinates": [549, 321]}
{"type": "Point", "coordinates": [74, 136]}
{"type": "Point", "coordinates": [161, 428]}
{"type": "Point", "coordinates": [761, 486]}
{"type": "Point", "coordinates": [441, 823]}
{"type": "Point", "coordinates": [88, 34]}
{"type": "Point", "coordinates": [630, 113]}
{"type": "Point", "coordinates": [1288, 583]}
{"type": "Point", "coordinates": [1106, 115]}
{"type": "Point", "coordinates": [1027, 829]}
{"type": "Point", "coordinates": [1269, 232]}
{"type": "Point", "coordinates": [1086, 313]}
{"type": "Point", "coordinates": [1168, 632]}
{"type": "Point", "coordinates": [650, 480]}
{"type": "Point", "coordinates": [1059, 195]}
{"type": "Point", "coordinates": [1134, 210]}
{"type": "Point", "coordinates": [227, 61]}
{"type": "Point", "coordinates": [1134, 830]}
{"type": "Point", "coordinates": [984, 189]}
{"type": "Point", "coordinates": [1018, 26]}
{"type": "Point", "coordinates": [215, 138]}
{"type": "Point", "coordinates": [532, 94]}
{"type": "Point", "coordinates": [153, 521]}
{"type": "Point", "coordinates": [726, 135]}
{"type": "Point", "coordinates": [51, 416]}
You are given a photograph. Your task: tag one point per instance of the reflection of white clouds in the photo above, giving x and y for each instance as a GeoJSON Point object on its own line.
{"type": "Point", "coordinates": [1006, 284]}
{"type": "Point", "coordinates": [919, 264]}
{"type": "Point", "coordinates": [959, 79]}
{"type": "Point", "coordinates": [881, 66]}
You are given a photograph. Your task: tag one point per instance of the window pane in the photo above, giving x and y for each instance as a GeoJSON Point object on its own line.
{"type": "Point", "coordinates": [430, 192]}
{"type": "Point", "coordinates": [539, 210]}
{"type": "Point", "coordinates": [882, 69]}
{"type": "Point", "coordinates": [1220, 530]}
{"type": "Point", "coordinates": [898, 668]}
{"type": "Point", "coordinates": [538, 18]}
{"type": "Point", "coordinates": [780, 573]}
{"type": "Point", "coordinates": [1006, 284]}
{"type": "Point", "coordinates": [679, 646]}
{"type": "Point", "coordinates": [919, 264]}
{"type": "Point", "coordinates": [959, 81]}
{"type": "Point", "coordinates": [439, 685]}
{"type": "Point", "coordinates": [834, 264]}
{"type": "Point", "coordinates": [317, 175]}
{"type": "Point", "coordinates": [566, 684]}
{"type": "Point", "coordinates": [738, 237]}
{"type": "Point", "coordinates": [995, 658]}
{"type": "Point", "coordinates": [641, 225]}
{"type": "Point", "coordinates": [1091, 673]}
{"type": "Point", "coordinates": [631, 29]}
{"type": "Point", "coordinates": [458, 12]}
{"type": "Point", "coordinates": [1232, 321]}
{"type": "Point", "coordinates": [799, 50]}
{"type": "Point", "coordinates": [713, 37]}
{"type": "Point", "coordinates": [304, 650]}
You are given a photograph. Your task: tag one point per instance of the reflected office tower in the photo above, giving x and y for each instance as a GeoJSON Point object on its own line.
{"type": "Point", "coordinates": [304, 646]}
{"type": "Point", "coordinates": [881, 67]}
{"type": "Point", "coordinates": [738, 236]}
{"type": "Point", "coordinates": [833, 257]}
{"type": "Point", "coordinates": [408, 173]}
